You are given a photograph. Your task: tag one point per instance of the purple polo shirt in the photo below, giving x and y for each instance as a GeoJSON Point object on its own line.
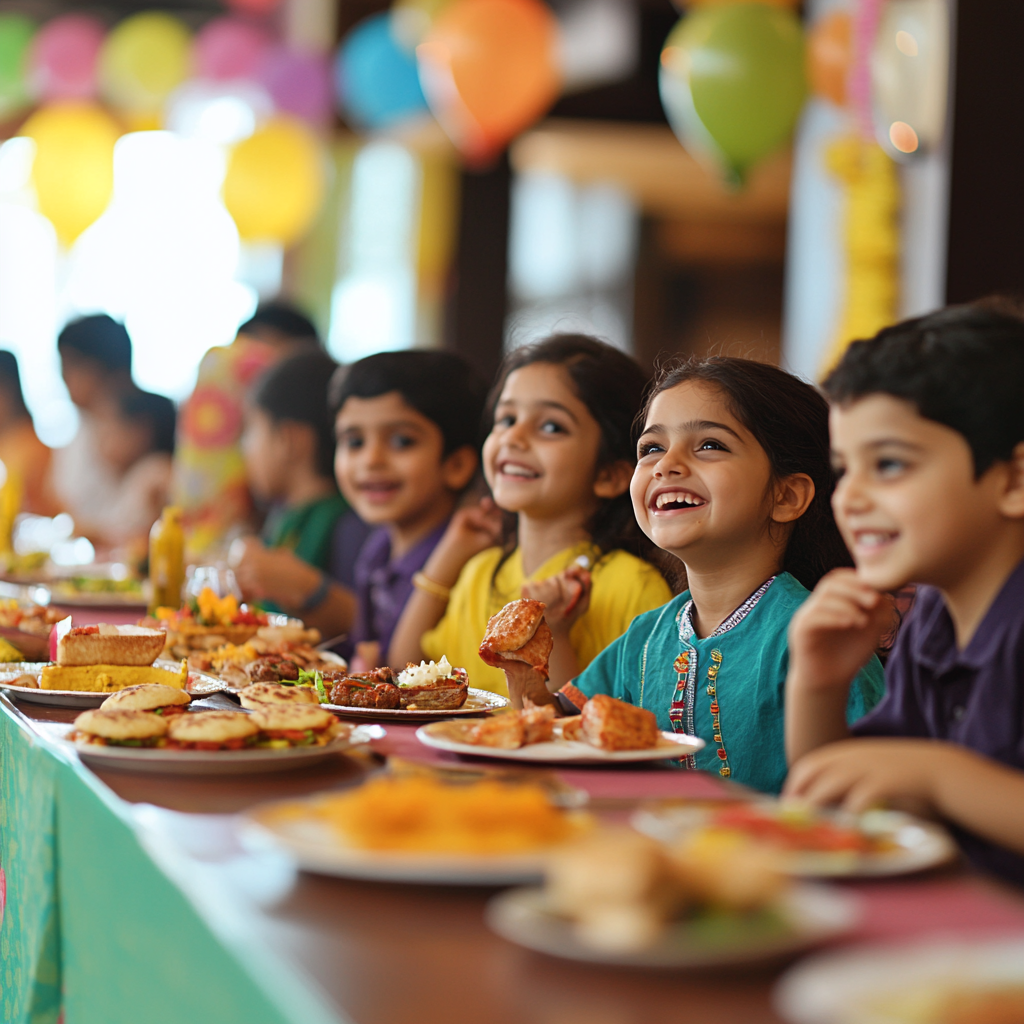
{"type": "Point", "coordinates": [383, 586]}
{"type": "Point", "coordinates": [974, 697]}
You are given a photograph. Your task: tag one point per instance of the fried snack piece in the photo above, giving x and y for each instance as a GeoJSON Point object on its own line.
{"type": "Point", "coordinates": [614, 725]}
{"type": "Point", "coordinates": [359, 692]}
{"type": "Point", "coordinates": [572, 729]}
{"type": "Point", "coordinates": [446, 694]}
{"type": "Point", "coordinates": [538, 722]}
{"type": "Point", "coordinates": [518, 633]}
{"type": "Point", "coordinates": [505, 732]}
{"type": "Point", "coordinates": [271, 669]}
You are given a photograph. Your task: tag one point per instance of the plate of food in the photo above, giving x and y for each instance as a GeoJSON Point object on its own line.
{"type": "Point", "coordinates": [92, 662]}
{"type": "Point", "coordinates": [937, 981]}
{"type": "Point", "coordinates": [208, 622]}
{"type": "Point", "coordinates": [419, 829]}
{"type": "Point", "coordinates": [621, 898]}
{"type": "Point", "coordinates": [149, 728]}
{"type": "Point", "coordinates": [812, 843]}
{"type": "Point", "coordinates": [101, 585]}
{"type": "Point", "coordinates": [608, 731]}
{"type": "Point", "coordinates": [25, 623]}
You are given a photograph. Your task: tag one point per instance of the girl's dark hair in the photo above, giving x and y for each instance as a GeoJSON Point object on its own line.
{"type": "Point", "coordinates": [10, 385]}
{"type": "Point", "coordinates": [155, 411]}
{"type": "Point", "coordinates": [789, 420]}
{"type": "Point", "coordinates": [441, 386]}
{"type": "Point", "coordinates": [295, 390]}
{"type": "Point", "coordinates": [611, 385]}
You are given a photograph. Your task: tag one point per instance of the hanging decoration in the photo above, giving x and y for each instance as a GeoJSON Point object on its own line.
{"type": "Point", "coordinates": [258, 8]}
{"type": "Point", "coordinates": [73, 167]}
{"type": "Point", "coordinates": [488, 69]}
{"type": "Point", "coordinates": [144, 59]}
{"type": "Point", "coordinates": [732, 83]}
{"type": "Point", "coordinates": [229, 50]}
{"type": "Point", "coordinates": [275, 182]}
{"type": "Point", "coordinates": [64, 56]}
{"type": "Point", "coordinates": [16, 34]}
{"type": "Point", "coordinates": [829, 57]}
{"type": "Point", "coordinates": [376, 78]}
{"type": "Point", "coordinates": [299, 83]}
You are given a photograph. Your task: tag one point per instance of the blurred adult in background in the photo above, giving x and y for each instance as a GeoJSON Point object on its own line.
{"type": "Point", "coordinates": [209, 472]}
{"type": "Point", "coordinates": [24, 456]}
{"type": "Point", "coordinates": [288, 446]}
{"type": "Point", "coordinates": [135, 436]}
{"type": "Point", "coordinates": [96, 364]}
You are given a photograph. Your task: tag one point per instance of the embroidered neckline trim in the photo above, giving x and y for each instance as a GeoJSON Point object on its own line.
{"type": "Point", "coordinates": [686, 630]}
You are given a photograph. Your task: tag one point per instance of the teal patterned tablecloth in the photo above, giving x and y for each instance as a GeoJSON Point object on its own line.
{"type": "Point", "coordinates": [91, 925]}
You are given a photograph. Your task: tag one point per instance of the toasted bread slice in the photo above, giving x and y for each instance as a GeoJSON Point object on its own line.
{"type": "Point", "coordinates": [111, 645]}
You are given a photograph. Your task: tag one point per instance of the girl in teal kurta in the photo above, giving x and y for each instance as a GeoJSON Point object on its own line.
{"type": "Point", "coordinates": [734, 479]}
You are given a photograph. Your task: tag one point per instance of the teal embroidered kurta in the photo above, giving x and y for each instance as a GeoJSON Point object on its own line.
{"type": "Point", "coordinates": [727, 688]}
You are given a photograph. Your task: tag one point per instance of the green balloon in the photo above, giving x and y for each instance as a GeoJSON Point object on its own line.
{"type": "Point", "coordinates": [16, 32]}
{"type": "Point", "coordinates": [732, 81]}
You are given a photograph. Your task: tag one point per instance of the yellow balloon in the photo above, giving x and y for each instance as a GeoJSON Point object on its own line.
{"type": "Point", "coordinates": [73, 169]}
{"type": "Point", "coordinates": [144, 59]}
{"type": "Point", "coordinates": [275, 182]}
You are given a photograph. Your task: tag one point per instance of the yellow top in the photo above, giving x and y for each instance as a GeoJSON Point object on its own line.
{"type": "Point", "coordinates": [624, 586]}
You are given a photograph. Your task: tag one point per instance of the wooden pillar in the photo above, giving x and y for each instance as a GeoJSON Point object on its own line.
{"type": "Point", "coordinates": [477, 305]}
{"type": "Point", "coordinates": [986, 198]}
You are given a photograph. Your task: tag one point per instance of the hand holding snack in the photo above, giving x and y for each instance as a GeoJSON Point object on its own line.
{"type": "Point", "coordinates": [519, 642]}
{"type": "Point", "coordinates": [566, 596]}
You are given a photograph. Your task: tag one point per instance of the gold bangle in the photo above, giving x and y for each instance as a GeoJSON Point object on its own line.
{"type": "Point", "coordinates": [432, 587]}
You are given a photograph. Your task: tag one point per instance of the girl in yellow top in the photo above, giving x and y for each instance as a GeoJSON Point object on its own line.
{"type": "Point", "coordinates": [560, 527]}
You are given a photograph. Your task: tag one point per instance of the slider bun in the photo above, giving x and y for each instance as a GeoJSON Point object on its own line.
{"type": "Point", "coordinates": [291, 716]}
{"type": "Point", "coordinates": [146, 697]}
{"type": "Point", "coordinates": [121, 724]}
{"type": "Point", "coordinates": [261, 694]}
{"type": "Point", "coordinates": [211, 727]}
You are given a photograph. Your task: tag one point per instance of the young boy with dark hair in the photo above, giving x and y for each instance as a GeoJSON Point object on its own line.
{"type": "Point", "coordinates": [927, 431]}
{"type": "Point", "coordinates": [408, 428]}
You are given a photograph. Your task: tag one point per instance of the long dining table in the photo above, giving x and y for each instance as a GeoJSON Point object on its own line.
{"type": "Point", "coordinates": [129, 898]}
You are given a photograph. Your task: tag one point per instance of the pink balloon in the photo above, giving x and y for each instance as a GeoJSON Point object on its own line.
{"type": "Point", "coordinates": [299, 83]}
{"type": "Point", "coordinates": [62, 62]}
{"type": "Point", "coordinates": [227, 50]}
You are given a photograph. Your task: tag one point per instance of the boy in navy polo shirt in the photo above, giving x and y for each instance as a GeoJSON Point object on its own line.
{"type": "Point", "coordinates": [927, 431]}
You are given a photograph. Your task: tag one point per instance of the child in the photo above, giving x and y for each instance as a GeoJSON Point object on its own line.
{"type": "Point", "coordinates": [135, 437]}
{"type": "Point", "coordinates": [408, 430]}
{"type": "Point", "coordinates": [288, 446]}
{"type": "Point", "coordinates": [24, 456]}
{"type": "Point", "coordinates": [928, 432]}
{"type": "Point", "coordinates": [96, 363]}
{"type": "Point", "coordinates": [733, 478]}
{"type": "Point", "coordinates": [559, 457]}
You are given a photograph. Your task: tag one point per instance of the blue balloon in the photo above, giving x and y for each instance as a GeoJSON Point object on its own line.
{"type": "Point", "coordinates": [377, 81]}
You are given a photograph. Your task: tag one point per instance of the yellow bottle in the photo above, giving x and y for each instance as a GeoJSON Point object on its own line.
{"type": "Point", "coordinates": [166, 560]}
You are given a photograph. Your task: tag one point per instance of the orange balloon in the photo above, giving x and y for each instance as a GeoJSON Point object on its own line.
{"type": "Point", "coordinates": [829, 55]}
{"type": "Point", "coordinates": [488, 69]}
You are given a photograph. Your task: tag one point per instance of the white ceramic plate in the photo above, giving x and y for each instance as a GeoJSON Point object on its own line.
{"type": "Point", "coordinates": [917, 844]}
{"type": "Point", "coordinates": [450, 736]}
{"type": "Point", "coordinates": [807, 915]}
{"type": "Point", "coordinates": [478, 702]}
{"type": "Point", "coordinates": [896, 983]}
{"type": "Point", "coordinates": [220, 762]}
{"type": "Point", "coordinates": [314, 846]}
{"type": "Point", "coordinates": [77, 699]}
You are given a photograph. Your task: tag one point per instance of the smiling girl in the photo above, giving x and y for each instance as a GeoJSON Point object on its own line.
{"type": "Point", "coordinates": [733, 478]}
{"type": "Point", "coordinates": [560, 527]}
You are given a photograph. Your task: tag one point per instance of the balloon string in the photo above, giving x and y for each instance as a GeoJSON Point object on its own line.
{"type": "Point", "coordinates": [867, 14]}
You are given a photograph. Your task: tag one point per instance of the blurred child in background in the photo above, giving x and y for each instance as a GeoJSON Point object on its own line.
{"type": "Point", "coordinates": [408, 426]}
{"type": "Point", "coordinates": [558, 460]}
{"type": "Point", "coordinates": [96, 364]}
{"type": "Point", "coordinates": [135, 437]}
{"type": "Point", "coordinates": [209, 472]}
{"type": "Point", "coordinates": [288, 445]}
{"type": "Point", "coordinates": [21, 451]}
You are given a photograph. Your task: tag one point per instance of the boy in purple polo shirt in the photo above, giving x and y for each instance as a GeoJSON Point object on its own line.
{"type": "Point", "coordinates": [927, 431]}
{"type": "Point", "coordinates": [408, 427]}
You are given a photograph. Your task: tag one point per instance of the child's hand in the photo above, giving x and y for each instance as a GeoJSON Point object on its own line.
{"type": "Point", "coordinates": [567, 596]}
{"type": "Point", "coordinates": [861, 774]}
{"type": "Point", "coordinates": [836, 630]}
{"type": "Point", "coordinates": [274, 574]}
{"type": "Point", "coordinates": [471, 530]}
